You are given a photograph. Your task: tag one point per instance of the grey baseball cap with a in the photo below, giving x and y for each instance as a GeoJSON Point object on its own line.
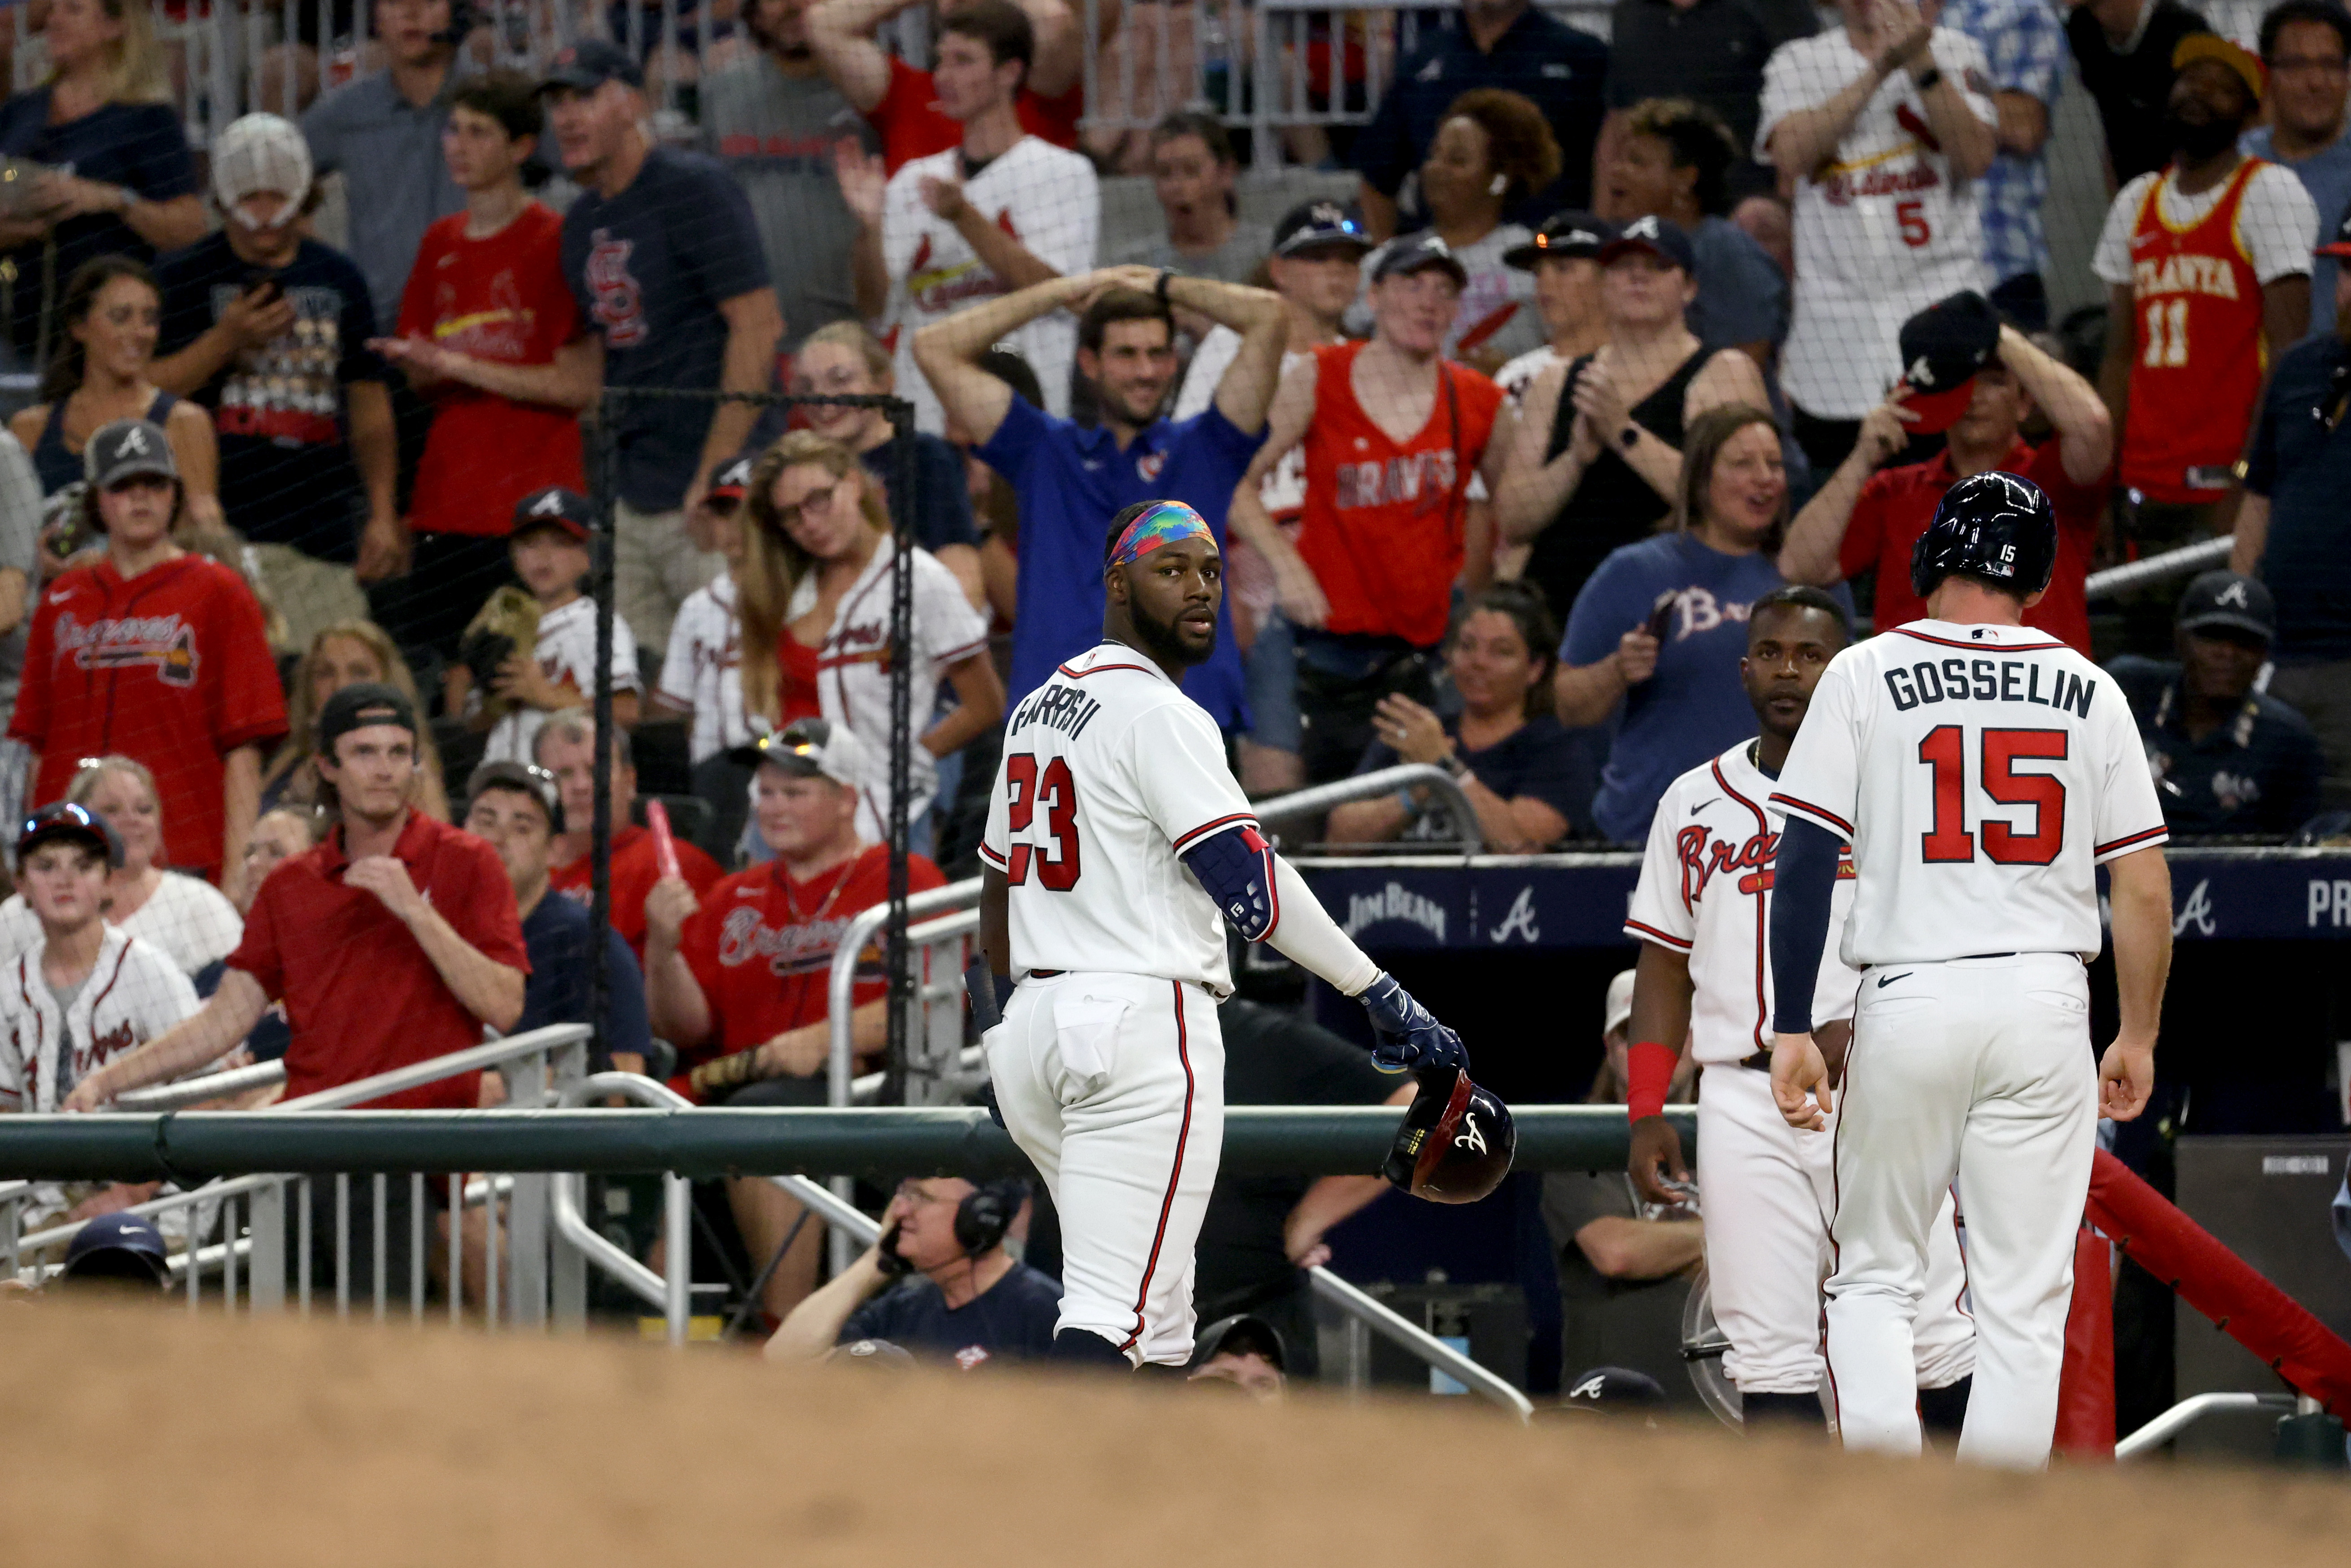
{"type": "Point", "coordinates": [261, 153]}
{"type": "Point", "coordinates": [126, 449]}
{"type": "Point", "coordinates": [811, 749]}
{"type": "Point", "coordinates": [2224, 598]}
{"type": "Point", "coordinates": [588, 64]}
{"type": "Point", "coordinates": [1418, 253]}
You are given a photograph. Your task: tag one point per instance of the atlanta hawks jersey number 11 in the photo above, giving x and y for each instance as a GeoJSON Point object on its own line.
{"type": "Point", "coordinates": [1109, 773]}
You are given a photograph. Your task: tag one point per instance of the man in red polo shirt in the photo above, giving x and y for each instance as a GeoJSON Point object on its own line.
{"type": "Point", "coordinates": [903, 105]}
{"type": "Point", "coordinates": [566, 746]}
{"type": "Point", "coordinates": [738, 978]}
{"type": "Point", "coordinates": [393, 942]}
{"type": "Point", "coordinates": [1975, 382]}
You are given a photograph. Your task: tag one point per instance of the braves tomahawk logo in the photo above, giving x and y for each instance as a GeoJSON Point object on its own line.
{"type": "Point", "coordinates": [166, 643]}
{"type": "Point", "coordinates": [619, 307]}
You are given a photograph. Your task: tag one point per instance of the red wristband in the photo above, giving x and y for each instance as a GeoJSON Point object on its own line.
{"type": "Point", "coordinates": [1648, 1075]}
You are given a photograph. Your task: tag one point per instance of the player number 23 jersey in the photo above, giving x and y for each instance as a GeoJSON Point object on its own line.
{"type": "Point", "coordinates": [1981, 774]}
{"type": "Point", "coordinates": [1110, 773]}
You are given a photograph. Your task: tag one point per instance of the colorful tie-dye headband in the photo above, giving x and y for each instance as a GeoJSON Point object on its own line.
{"type": "Point", "coordinates": [1165, 523]}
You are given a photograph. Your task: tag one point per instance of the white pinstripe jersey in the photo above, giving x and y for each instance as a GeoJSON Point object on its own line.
{"type": "Point", "coordinates": [1109, 773]}
{"type": "Point", "coordinates": [1706, 890]}
{"type": "Point", "coordinates": [1981, 775]}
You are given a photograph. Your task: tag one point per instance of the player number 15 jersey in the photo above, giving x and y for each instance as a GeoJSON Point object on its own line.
{"type": "Point", "coordinates": [1109, 773]}
{"type": "Point", "coordinates": [1981, 774]}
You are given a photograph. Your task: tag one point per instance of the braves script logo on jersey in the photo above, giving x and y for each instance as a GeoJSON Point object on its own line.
{"type": "Point", "coordinates": [1403, 478]}
{"type": "Point", "coordinates": [744, 938]}
{"type": "Point", "coordinates": [163, 641]}
{"type": "Point", "coordinates": [1704, 857]}
{"type": "Point", "coordinates": [620, 306]}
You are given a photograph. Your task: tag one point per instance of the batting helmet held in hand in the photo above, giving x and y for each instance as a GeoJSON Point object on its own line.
{"type": "Point", "coordinates": [1456, 1141]}
{"type": "Point", "coordinates": [1992, 526]}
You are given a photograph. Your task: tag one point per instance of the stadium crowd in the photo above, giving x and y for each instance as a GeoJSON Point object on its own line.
{"type": "Point", "coordinates": [1608, 342]}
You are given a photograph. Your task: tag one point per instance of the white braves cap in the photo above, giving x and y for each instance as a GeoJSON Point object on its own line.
{"type": "Point", "coordinates": [1620, 1002]}
{"type": "Point", "coordinates": [261, 153]}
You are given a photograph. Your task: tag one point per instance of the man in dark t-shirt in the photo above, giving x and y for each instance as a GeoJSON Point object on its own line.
{"type": "Point", "coordinates": [1261, 1233]}
{"type": "Point", "coordinates": [2123, 48]}
{"type": "Point", "coordinates": [940, 1283]}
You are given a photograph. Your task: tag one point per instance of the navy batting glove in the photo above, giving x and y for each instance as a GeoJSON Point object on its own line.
{"type": "Point", "coordinates": [1407, 1035]}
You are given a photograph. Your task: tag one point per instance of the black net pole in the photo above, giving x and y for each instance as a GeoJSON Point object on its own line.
{"type": "Point", "coordinates": [902, 737]}
{"type": "Point", "coordinates": [602, 478]}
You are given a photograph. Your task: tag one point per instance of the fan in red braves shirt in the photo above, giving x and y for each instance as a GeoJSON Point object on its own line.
{"type": "Point", "coordinates": [153, 654]}
{"type": "Point", "coordinates": [566, 746]}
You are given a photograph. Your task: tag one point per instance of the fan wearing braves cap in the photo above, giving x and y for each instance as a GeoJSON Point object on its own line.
{"type": "Point", "coordinates": [2207, 264]}
{"type": "Point", "coordinates": [2228, 758]}
{"type": "Point", "coordinates": [187, 686]}
{"type": "Point", "coordinates": [1564, 257]}
{"type": "Point", "coordinates": [87, 992]}
{"type": "Point", "coordinates": [267, 328]}
{"type": "Point", "coordinates": [549, 547]}
{"type": "Point", "coordinates": [1389, 525]}
{"type": "Point", "coordinates": [1975, 382]}
{"type": "Point", "coordinates": [738, 977]}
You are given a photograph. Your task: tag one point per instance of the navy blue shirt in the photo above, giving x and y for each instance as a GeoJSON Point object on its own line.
{"type": "Point", "coordinates": [650, 268]}
{"type": "Point", "coordinates": [1564, 72]}
{"type": "Point", "coordinates": [1537, 759]}
{"type": "Point", "coordinates": [1693, 708]}
{"type": "Point", "coordinates": [556, 991]}
{"type": "Point", "coordinates": [286, 471]}
{"type": "Point", "coordinates": [137, 145]}
{"type": "Point", "coordinates": [2258, 773]}
{"type": "Point", "coordinates": [2304, 469]}
{"type": "Point", "coordinates": [1072, 481]}
{"type": "Point", "coordinates": [1013, 1320]}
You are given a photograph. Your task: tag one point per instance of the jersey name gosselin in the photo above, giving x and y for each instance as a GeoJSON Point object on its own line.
{"type": "Point", "coordinates": [1987, 680]}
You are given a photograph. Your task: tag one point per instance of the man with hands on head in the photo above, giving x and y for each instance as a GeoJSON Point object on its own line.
{"type": "Point", "coordinates": [394, 941]}
{"type": "Point", "coordinates": [1699, 912]}
{"type": "Point", "coordinates": [1071, 478]}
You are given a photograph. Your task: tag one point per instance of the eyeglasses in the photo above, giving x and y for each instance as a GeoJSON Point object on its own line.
{"type": "Point", "coordinates": [816, 506]}
{"type": "Point", "coordinates": [912, 1195]}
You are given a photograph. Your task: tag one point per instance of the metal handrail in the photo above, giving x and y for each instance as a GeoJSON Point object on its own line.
{"type": "Point", "coordinates": [205, 1086]}
{"type": "Point", "coordinates": [1315, 799]}
{"type": "Point", "coordinates": [495, 1053]}
{"type": "Point", "coordinates": [2190, 1411]}
{"type": "Point", "coordinates": [672, 1291]}
{"type": "Point", "coordinates": [1418, 1342]}
{"type": "Point", "coordinates": [2198, 557]}
{"type": "Point", "coordinates": [841, 986]}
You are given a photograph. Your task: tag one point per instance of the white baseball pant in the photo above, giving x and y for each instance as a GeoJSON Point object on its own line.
{"type": "Point", "coordinates": [1766, 1190]}
{"type": "Point", "coordinates": [1978, 1069]}
{"type": "Point", "coordinates": [1114, 1086]}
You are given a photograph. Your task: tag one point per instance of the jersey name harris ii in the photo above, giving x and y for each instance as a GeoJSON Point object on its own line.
{"type": "Point", "coordinates": [1981, 774]}
{"type": "Point", "coordinates": [1109, 773]}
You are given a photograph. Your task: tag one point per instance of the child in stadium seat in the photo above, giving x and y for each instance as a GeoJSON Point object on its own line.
{"type": "Point", "coordinates": [550, 546]}
{"type": "Point", "coordinates": [701, 676]}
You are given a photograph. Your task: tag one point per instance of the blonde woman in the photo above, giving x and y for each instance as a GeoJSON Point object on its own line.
{"type": "Point", "coordinates": [814, 604]}
{"type": "Point", "coordinates": [341, 654]}
{"type": "Point", "coordinates": [105, 113]}
{"type": "Point", "coordinates": [186, 916]}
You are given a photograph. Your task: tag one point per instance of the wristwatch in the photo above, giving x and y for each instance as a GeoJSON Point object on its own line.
{"type": "Point", "coordinates": [1164, 278]}
{"type": "Point", "coordinates": [1925, 81]}
{"type": "Point", "coordinates": [1630, 436]}
{"type": "Point", "coordinates": [125, 198]}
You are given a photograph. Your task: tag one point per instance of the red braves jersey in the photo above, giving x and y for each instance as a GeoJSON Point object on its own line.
{"type": "Point", "coordinates": [634, 871]}
{"type": "Point", "coordinates": [761, 945]}
{"type": "Point", "coordinates": [171, 668]}
{"type": "Point", "coordinates": [1383, 523]}
{"type": "Point", "coordinates": [2198, 367]}
{"type": "Point", "coordinates": [501, 298]}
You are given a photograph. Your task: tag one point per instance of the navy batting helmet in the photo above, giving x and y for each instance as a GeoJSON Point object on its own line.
{"type": "Point", "coordinates": [1993, 526]}
{"type": "Point", "coordinates": [1456, 1141]}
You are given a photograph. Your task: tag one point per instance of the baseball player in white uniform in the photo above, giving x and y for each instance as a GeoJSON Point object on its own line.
{"type": "Point", "coordinates": [1981, 771]}
{"type": "Point", "coordinates": [1118, 845]}
{"type": "Point", "coordinates": [1701, 913]}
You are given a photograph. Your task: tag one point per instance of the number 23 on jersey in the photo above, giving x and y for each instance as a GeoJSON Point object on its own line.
{"type": "Point", "coordinates": [1050, 792]}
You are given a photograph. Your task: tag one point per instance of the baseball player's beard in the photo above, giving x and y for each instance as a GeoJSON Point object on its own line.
{"type": "Point", "coordinates": [1164, 640]}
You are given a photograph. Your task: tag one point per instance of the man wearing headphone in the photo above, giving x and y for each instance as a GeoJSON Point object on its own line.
{"type": "Point", "coordinates": [939, 1283]}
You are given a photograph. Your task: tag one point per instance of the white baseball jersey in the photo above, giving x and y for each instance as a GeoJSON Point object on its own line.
{"type": "Point", "coordinates": [1980, 774]}
{"type": "Point", "coordinates": [852, 668]}
{"type": "Point", "coordinates": [702, 671]}
{"type": "Point", "coordinates": [1882, 230]}
{"type": "Point", "coordinates": [134, 993]}
{"type": "Point", "coordinates": [1705, 890]}
{"type": "Point", "coordinates": [566, 651]}
{"type": "Point", "coordinates": [187, 917]}
{"type": "Point", "coordinates": [1516, 377]}
{"type": "Point", "coordinates": [1042, 195]}
{"type": "Point", "coordinates": [1110, 773]}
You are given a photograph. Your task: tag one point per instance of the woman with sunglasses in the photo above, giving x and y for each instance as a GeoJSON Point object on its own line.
{"type": "Point", "coordinates": [815, 618]}
{"type": "Point", "coordinates": [186, 683]}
